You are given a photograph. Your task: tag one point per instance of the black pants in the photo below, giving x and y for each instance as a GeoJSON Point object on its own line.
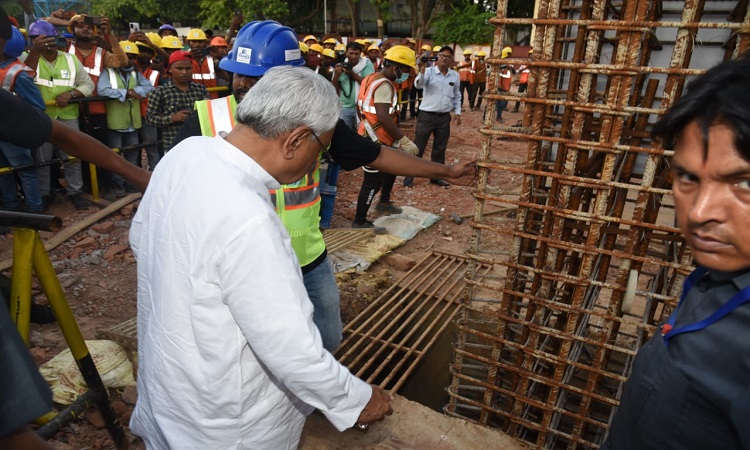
{"type": "Point", "coordinates": [439, 126]}
{"type": "Point", "coordinates": [477, 89]}
{"type": "Point", "coordinates": [371, 184]}
{"type": "Point", "coordinates": [405, 96]}
{"type": "Point", "coordinates": [521, 89]}
{"type": "Point", "coordinates": [414, 95]}
{"type": "Point", "coordinates": [465, 86]}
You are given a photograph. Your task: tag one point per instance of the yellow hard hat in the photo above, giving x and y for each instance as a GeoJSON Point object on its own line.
{"type": "Point", "coordinates": [426, 47]}
{"type": "Point", "coordinates": [436, 48]}
{"type": "Point", "coordinates": [329, 53]}
{"type": "Point", "coordinates": [129, 47]}
{"type": "Point", "coordinates": [310, 37]}
{"type": "Point", "coordinates": [373, 47]}
{"type": "Point", "coordinates": [481, 53]}
{"type": "Point", "coordinates": [340, 47]}
{"type": "Point", "coordinates": [361, 42]}
{"type": "Point", "coordinates": [330, 40]}
{"type": "Point", "coordinates": [303, 47]}
{"type": "Point", "coordinates": [410, 40]}
{"type": "Point", "coordinates": [316, 48]}
{"type": "Point", "coordinates": [171, 42]}
{"type": "Point", "coordinates": [401, 54]}
{"type": "Point", "coordinates": [78, 18]}
{"type": "Point", "coordinates": [467, 52]}
{"type": "Point", "coordinates": [196, 34]}
{"type": "Point", "coordinates": [507, 51]}
{"type": "Point", "coordinates": [154, 38]}
{"type": "Point", "coordinates": [531, 52]}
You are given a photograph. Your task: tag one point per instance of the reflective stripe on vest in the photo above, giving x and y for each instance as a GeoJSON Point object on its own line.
{"type": "Point", "coordinates": [154, 77]}
{"type": "Point", "coordinates": [10, 73]}
{"type": "Point", "coordinates": [366, 106]}
{"type": "Point", "coordinates": [211, 75]}
{"type": "Point", "coordinates": [123, 115]}
{"type": "Point", "coordinates": [70, 82]}
{"type": "Point", "coordinates": [97, 69]}
{"type": "Point", "coordinates": [217, 115]}
{"type": "Point", "coordinates": [302, 194]}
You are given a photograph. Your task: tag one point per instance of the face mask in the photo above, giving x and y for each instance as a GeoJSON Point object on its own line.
{"type": "Point", "coordinates": [402, 78]}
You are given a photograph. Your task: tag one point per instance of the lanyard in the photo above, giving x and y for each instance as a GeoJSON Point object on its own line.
{"type": "Point", "coordinates": [668, 330]}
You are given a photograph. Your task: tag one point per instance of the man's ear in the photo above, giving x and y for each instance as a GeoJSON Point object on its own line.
{"type": "Point", "coordinates": [294, 141]}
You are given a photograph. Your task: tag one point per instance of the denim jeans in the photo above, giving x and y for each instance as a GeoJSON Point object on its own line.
{"type": "Point", "coordinates": [14, 156]}
{"type": "Point", "coordinates": [120, 139]}
{"type": "Point", "coordinates": [324, 295]}
{"type": "Point", "coordinates": [349, 116]}
{"type": "Point", "coordinates": [150, 134]}
{"type": "Point", "coordinates": [72, 168]}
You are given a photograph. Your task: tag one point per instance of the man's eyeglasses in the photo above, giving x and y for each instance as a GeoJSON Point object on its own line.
{"type": "Point", "coordinates": [323, 148]}
{"type": "Point", "coordinates": [441, 55]}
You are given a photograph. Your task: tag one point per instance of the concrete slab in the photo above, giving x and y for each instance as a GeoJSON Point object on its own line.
{"type": "Point", "coordinates": [411, 427]}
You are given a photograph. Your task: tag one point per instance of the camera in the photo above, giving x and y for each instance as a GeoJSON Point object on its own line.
{"type": "Point", "coordinates": [61, 42]}
{"type": "Point", "coordinates": [342, 61]}
{"type": "Point", "coordinates": [424, 59]}
{"type": "Point", "coordinates": [94, 21]}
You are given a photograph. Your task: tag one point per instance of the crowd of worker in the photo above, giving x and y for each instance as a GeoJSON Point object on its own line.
{"type": "Point", "coordinates": [135, 92]}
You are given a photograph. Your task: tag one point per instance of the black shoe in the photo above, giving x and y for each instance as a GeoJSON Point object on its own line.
{"type": "Point", "coordinates": [442, 183]}
{"type": "Point", "coordinates": [79, 202]}
{"type": "Point", "coordinates": [409, 181]}
{"type": "Point", "coordinates": [368, 225]}
{"type": "Point", "coordinates": [108, 195]}
{"type": "Point", "coordinates": [388, 207]}
{"type": "Point", "coordinates": [515, 110]}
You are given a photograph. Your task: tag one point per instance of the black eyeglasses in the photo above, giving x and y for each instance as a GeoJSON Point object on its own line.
{"type": "Point", "coordinates": [323, 148]}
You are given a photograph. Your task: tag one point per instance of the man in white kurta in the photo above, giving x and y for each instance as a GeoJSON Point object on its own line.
{"type": "Point", "coordinates": [229, 355]}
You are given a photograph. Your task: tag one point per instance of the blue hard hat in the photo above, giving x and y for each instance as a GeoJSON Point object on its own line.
{"type": "Point", "coordinates": [260, 46]}
{"type": "Point", "coordinates": [42, 28]}
{"type": "Point", "coordinates": [16, 44]}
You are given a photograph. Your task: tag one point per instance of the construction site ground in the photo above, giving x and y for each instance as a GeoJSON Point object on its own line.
{"type": "Point", "coordinates": [97, 271]}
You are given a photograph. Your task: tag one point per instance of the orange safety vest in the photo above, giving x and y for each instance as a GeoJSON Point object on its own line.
{"type": "Point", "coordinates": [480, 71]}
{"type": "Point", "coordinates": [506, 79]}
{"type": "Point", "coordinates": [9, 73]}
{"type": "Point", "coordinates": [370, 125]}
{"type": "Point", "coordinates": [524, 71]}
{"type": "Point", "coordinates": [153, 76]}
{"type": "Point", "coordinates": [376, 64]}
{"type": "Point", "coordinates": [94, 66]}
{"type": "Point", "coordinates": [464, 72]}
{"type": "Point", "coordinates": [205, 73]}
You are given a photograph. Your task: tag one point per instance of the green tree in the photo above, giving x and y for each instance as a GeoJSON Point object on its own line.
{"type": "Point", "coordinates": [466, 25]}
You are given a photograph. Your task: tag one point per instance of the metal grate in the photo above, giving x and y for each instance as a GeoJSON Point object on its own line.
{"type": "Point", "coordinates": [595, 260]}
{"type": "Point", "coordinates": [338, 238]}
{"type": "Point", "coordinates": [385, 342]}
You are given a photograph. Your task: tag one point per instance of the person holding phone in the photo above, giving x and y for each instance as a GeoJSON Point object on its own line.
{"type": "Point", "coordinates": [204, 66]}
{"type": "Point", "coordinates": [60, 78]}
{"type": "Point", "coordinates": [170, 105]}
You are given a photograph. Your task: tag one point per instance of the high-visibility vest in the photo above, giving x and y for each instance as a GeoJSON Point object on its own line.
{"type": "Point", "coordinates": [205, 73]}
{"type": "Point", "coordinates": [464, 72]}
{"type": "Point", "coordinates": [121, 115]}
{"type": "Point", "coordinates": [524, 71]}
{"type": "Point", "coordinates": [53, 81]}
{"type": "Point", "coordinates": [297, 204]}
{"type": "Point", "coordinates": [506, 79]}
{"type": "Point", "coordinates": [153, 76]}
{"type": "Point", "coordinates": [376, 64]}
{"type": "Point", "coordinates": [480, 71]}
{"type": "Point", "coordinates": [9, 73]}
{"type": "Point", "coordinates": [94, 66]}
{"type": "Point", "coordinates": [370, 125]}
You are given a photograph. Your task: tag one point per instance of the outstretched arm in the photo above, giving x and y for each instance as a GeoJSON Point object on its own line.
{"type": "Point", "coordinates": [395, 162]}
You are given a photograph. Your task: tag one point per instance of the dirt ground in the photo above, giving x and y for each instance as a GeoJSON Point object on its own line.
{"type": "Point", "coordinates": [97, 268]}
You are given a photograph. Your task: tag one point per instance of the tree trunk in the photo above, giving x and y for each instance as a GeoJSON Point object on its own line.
{"type": "Point", "coordinates": [379, 18]}
{"type": "Point", "coordinates": [354, 10]}
{"type": "Point", "coordinates": [423, 12]}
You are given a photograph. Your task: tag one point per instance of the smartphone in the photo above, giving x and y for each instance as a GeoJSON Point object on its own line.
{"type": "Point", "coordinates": [94, 21]}
{"type": "Point", "coordinates": [62, 42]}
{"type": "Point", "coordinates": [135, 27]}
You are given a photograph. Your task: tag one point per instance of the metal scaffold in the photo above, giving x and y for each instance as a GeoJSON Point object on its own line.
{"type": "Point", "coordinates": [595, 260]}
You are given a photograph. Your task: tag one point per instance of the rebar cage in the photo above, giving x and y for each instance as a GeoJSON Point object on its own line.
{"type": "Point", "coordinates": [586, 254]}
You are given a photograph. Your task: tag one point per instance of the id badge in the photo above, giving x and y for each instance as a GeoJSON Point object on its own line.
{"type": "Point", "coordinates": [64, 73]}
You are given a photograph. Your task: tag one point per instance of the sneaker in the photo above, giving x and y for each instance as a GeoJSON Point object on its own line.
{"type": "Point", "coordinates": [388, 207]}
{"type": "Point", "coordinates": [108, 195]}
{"type": "Point", "coordinates": [409, 181]}
{"type": "Point", "coordinates": [440, 182]}
{"type": "Point", "coordinates": [368, 225]}
{"type": "Point", "coordinates": [79, 202]}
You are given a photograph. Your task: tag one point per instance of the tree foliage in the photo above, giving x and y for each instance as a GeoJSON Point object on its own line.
{"type": "Point", "coordinates": [466, 25]}
{"type": "Point", "coordinates": [423, 13]}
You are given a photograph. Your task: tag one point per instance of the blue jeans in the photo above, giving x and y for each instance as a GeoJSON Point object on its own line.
{"type": "Point", "coordinates": [349, 116]}
{"type": "Point", "coordinates": [14, 156]}
{"type": "Point", "coordinates": [324, 295]}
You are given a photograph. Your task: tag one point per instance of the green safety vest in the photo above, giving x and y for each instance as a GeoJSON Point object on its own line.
{"type": "Point", "coordinates": [297, 204]}
{"type": "Point", "coordinates": [57, 80]}
{"type": "Point", "coordinates": [121, 115]}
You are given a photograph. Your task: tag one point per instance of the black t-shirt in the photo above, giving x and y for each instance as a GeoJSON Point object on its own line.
{"type": "Point", "coordinates": [347, 147]}
{"type": "Point", "coordinates": [22, 125]}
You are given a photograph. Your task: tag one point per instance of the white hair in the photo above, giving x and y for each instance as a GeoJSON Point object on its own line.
{"type": "Point", "coordinates": [289, 97]}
